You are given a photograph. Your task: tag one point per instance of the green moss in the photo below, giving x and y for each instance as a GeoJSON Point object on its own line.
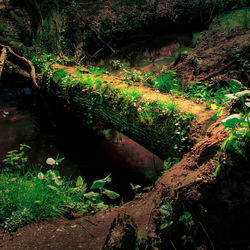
{"type": "Point", "coordinates": [157, 124]}
{"type": "Point", "coordinates": [231, 20]}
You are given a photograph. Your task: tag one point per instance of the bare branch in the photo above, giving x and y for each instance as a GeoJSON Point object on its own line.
{"type": "Point", "coordinates": [2, 60]}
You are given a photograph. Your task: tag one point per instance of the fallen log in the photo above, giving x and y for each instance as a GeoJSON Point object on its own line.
{"type": "Point", "coordinates": [149, 118]}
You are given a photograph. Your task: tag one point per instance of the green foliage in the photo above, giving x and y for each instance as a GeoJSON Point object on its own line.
{"type": "Point", "coordinates": [167, 81]}
{"type": "Point", "coordinates": [137, 76]}
{"type": "Point", "coordinates": [42, 62]}
{"type": "Point", "coordinates": [208, 92]}
{"type": "Point", "coordinates": [169, 163]}
{"type": "Point", "coordinates": [187, 219]}
{"type": "Point", "coordinates": [116, 64]}
{"type": "Point", "coordinates": [16, 159]}
{"type": "Point", "coordinates": [219, 111]}
{"type": "Point", "coordinates": [231, 20]}
{"type": "Point", "coordinates": [238, 124]}
{"type": "Point", "coordinates": [97, 70]}
{"type": "Point", "coordinates": [196, 37]}
{"type": "Point", "coordinates": [166, 212]}
{"type": "Point", "coordinates": [32, 195]}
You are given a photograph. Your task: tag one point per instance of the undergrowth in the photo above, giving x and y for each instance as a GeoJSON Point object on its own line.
{"type": "Point", "coordinates": [28, 194]}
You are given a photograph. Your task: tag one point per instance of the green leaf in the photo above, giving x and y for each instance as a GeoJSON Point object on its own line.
{"type": "Point", "coordinates": [92, 195]}
{"type": "Point", "coordinates": [231, 96]}
{"type": "Point", "coordinates": [101, 206]}
{"type": "Point", "coordinates": [166, 224]}
{"type": "Point", "coordinates": [231, 121]}
{"type": "Point", "coordinates": [79, 181]}
{"type": "Point", "coordinates": [214, 106]}
{"type": "Point", "coordinates": [165, 210]}
{"type": "Point", "coordinates": [135, 187]}
{"type": "Point", "coordinates": [242, 93]}
{"type": "Point", "coordinates": [235, 85]}
{"type": "Point", "coordinates": [98, 184]}
{"type": "Point", "coordinates": [111, 194]}
{"type": "Point", "coordinates": [52, 187]}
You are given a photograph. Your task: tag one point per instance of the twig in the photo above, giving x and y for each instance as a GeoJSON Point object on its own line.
{"type": "Point", "coordinates": [92, 222]}
{"type": "Point", "coordinates": [173, 245]}
{"type": "Point", "coordinates": [85, 229]}
{"type": "Point", "coordinates": [102, 41]}
{"type": "Point", "coordinates": [32, 71]}
{"type": "Point", "coordinates": [205, 232]}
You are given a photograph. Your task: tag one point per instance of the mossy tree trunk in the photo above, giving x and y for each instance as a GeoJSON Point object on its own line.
{"type": "Point", "coordinates": [42, 28]}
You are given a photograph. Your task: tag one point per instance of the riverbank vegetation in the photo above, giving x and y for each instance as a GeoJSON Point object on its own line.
{"type": "Point", "coordinates": [30, 194]}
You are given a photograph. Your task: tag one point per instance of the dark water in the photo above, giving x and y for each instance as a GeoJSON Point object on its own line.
{"type": "Point", "coordinates": [87, 154]}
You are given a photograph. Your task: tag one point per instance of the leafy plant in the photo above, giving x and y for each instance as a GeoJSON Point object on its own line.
{"type": "Point", "coordinates": [137, 76]}
{"type": "Point", "coordinates": [236, 140]}
{"type": "Point", "coordinates": [231, 20]}
{"type": "Point", "coordinates": [116, 64]}
{"type": "Point", "coordinates": [169, 163]}
{"type": "Point", "coordinates": [25, 197]}
{"type": "Point", "coordinates": [209, 92]}
{"type": "Point", "coordinates": [166, 212]}
{"type": "Point", "coordinates": [16, 159]}
{"type": "Point", "coordinates": [167, 81]}
{"type": "Point", "coordinates": [188, 221]}
{"type": "Point", "coordinates": [219, 111]}
{"type": "Point", "coordinates": [97, 70]}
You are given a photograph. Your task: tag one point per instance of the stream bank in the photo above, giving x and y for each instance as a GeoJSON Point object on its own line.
{"type": "Point", "coordinates": [87, 153]}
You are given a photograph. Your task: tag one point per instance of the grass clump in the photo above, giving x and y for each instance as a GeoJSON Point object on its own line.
{"type": "Point", "coordinates": [28, 194]}
{"type": "Point", "coordinates": [167, 81]}
{"type": "Point", "coordinates": [97, 70]}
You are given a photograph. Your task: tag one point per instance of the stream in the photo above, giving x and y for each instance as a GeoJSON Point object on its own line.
{"type": "Point", "coordinates": [90, 155]}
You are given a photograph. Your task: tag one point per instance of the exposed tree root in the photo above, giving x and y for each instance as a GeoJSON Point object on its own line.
{"type": "Point", "coordinates": [2, 60]}
{"type": "Point", "coordinates": [32, 68]}
{"type": "Point", "coordinates": [13, 68]}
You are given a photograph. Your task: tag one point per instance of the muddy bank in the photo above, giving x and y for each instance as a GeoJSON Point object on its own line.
{"type": "Point", "coordinates": [185, 187]}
